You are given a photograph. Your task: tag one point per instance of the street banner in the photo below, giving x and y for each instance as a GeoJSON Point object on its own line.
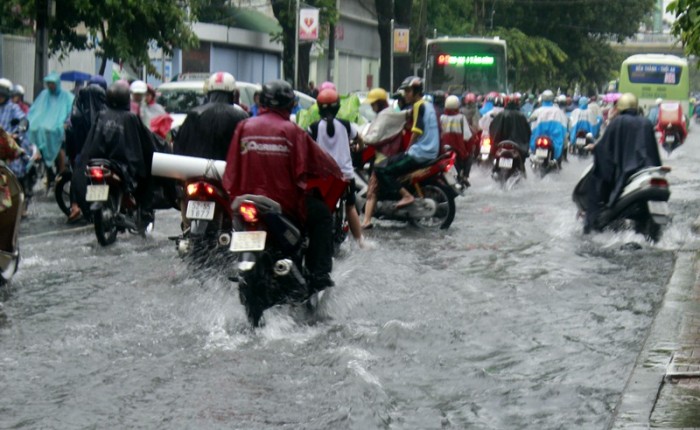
{"type": "Point", "coordinates": [401, 40]}
{"type": "Point", "coordinates": [308, 24]}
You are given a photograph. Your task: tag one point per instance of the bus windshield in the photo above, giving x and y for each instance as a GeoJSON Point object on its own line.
{"type": "Point", "coordinates": [466, 65]}
{"type": "Point", "coordinates": [656, 76]}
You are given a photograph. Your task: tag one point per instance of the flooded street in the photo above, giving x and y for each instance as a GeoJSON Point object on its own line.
{"type": "Point", "coordinates": [510, 319]}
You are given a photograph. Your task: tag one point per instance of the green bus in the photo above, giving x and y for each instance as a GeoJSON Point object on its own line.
{"type": "Point", "coordinates": [653, 76]}
{"type": "Point", "coordinates": [466, 64]}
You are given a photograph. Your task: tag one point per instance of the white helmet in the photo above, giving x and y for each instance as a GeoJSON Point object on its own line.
{"type": "Point", "coordinates": [561, 98]}
{"type": "Point", "coordinates": [547, 96]}
{"type": "Point", "coordinates": [138, 87]}
{"type": "Point", "coordinates": [6, 83]}
{"type": "Point", "coordinates": [658, 101]}
{"type": "Point", "coordinates": [18, 90]}
{"type": "Point", "coordinates": [452, 102]}
{"type": "Point", "coordinates": [221, 81]}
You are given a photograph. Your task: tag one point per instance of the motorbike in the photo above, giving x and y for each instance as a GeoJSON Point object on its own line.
{"type": "Point", "coordinates": [508, 162]}
{"type": "Point", "coordinates": [542, 161]}
{"type": "Point", "coordinates": [434, 185]}
{"type": "Point", "coordinates": [671, 138]}
{"type": "Point", "coordinates": [672, 125]}
{"type": "Point", "coordinates": [270, 249]}
{"type": "Point", "coordinates": [113, 205]}
{"type": "Point", "coordinates": [208, 211]}
{"type": "Point", "coordinates": [62, 190]}
{"type": "Point", "coordinates": [484, 150]}
{"type": "Point", "coordinates": [643, 202]}
{"type": "Point", "coordinates": [9, 223]}
{"type": "Point", "coordinates": [582, 140]}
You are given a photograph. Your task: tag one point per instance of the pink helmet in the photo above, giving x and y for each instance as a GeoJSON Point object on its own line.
{"type": "Point", "coordinates": [327, 86]}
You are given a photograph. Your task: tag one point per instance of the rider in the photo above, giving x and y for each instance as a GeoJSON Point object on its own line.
{"type": "Point", "coordinates": [653, 114]}
{"type": "Point", "coordinates": [150, 109]}
{"type": "Point", "coordinates": [119, 135]}
{"type": "Point", "coordinates": [511, 124]}
{"type": "Point", "coordinates": [455, 132]}
{"type": "Point", "coordinates": [498, 106]}
{"type": "Point", "coordinates": [208, 129]}
{"type": "Point", "coordinates": [18, 97]}
{"type": "Point", "coordinates": [549, 120]}
{"type": "Point", "coordinates": [528, 106]}
{"type": "Point", "coordinates": [138, 91]}
{"type": "Point", "coordinates": [334, 136]}
{"type": "Point", "coordinates": [627, 146]}
{"type": "Point", "coordinates": [304, 174]}
{"type": "Point", "coordinates": [582, 120]}
{"type": "Point", "coordinates": [424, 145]}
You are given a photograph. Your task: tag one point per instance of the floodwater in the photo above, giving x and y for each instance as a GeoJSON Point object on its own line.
{"type": "Point", "coordinates": [511, 319]}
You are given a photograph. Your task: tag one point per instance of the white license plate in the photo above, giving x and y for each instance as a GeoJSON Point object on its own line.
{"type": "Point", "coordinates": [451, 176]}
{"type": "Point", "coordinates": [580, 141]}
{"type": "Point", "coordinates": [485, 150]}
{"type": "Point", "coordinates": [505, 163]}
{"type": "Point", "coordinates": [97, 193]}
{"type": "Point", "coordinates": [657, 207]}
{"type": "Point", "coordinates": [670, 139]}
{"type": "Point", "coordinates": [200, 210]}
{"type": "Point", "coordinates": [248, 241]}
{"type": "Point", "coordinates": [542, 153]}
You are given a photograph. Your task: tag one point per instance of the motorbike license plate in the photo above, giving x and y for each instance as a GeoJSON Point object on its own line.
{"type": "Point", "coordinates": [657, 207]}
{"type": "Point", "coordinates": [200, 210]}
{"type": "Point", "coordinates": [248, 241]}
{"type": "Point", "coordinates": [451, 176]}
{"type": "Point", "coordinates": [670, 139]}
{"type": "Point", "coordinates": [505, 163]}
{"type": "Point", "coordinates": [580, 141]}
{"type": "Point", "coordinates": [541, 153]}
{"type": "Point", "coordinates": [97, 193]}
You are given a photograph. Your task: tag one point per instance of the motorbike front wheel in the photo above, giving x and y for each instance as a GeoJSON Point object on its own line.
{"type": "Point", "coordinates": [62, 192]}
{"type": "Point", "coordinates": [445, 208]}
{"type": "Point", "coordinates": [104, 219]}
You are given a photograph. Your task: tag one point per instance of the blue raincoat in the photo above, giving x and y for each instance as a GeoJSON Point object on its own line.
{"type": "Point", "coordinates": [582, 119]}
{"type": "Point", "coordinates": [552, 122]}
{"type": "Point", "coordinates": [47, 116]}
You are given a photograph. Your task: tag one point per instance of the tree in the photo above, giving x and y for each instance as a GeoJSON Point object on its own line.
{"type": "Point", "coordinates": [117, 30]}
{"type": "Point", "coordinates": [687, 24]}
{"type": "Point", "coordinates": [285, 12]}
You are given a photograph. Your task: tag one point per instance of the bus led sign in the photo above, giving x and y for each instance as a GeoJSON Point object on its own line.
{"type": "Point", "coordinates": [465, 60]}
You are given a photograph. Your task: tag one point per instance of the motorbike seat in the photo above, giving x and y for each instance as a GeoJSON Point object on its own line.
{"type": "Point", "coordinates": [647, 170]}
{"type": "Point", "coordinates": [429, 163]}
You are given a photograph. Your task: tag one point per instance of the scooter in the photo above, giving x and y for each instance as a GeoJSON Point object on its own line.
{"type": "Point", "coordinates": [542, 161]}
{"type": "Point", "coordinates": [643, 202]}
{"type": "Point", "coordinates": [671, 137]}
{"type": "Point", "coordinates": [62, 190]}
{"type": "Point", "coordinates": [508, 163]}
{"type": "Point", "coordinates": [582, 140]}
{"type": "Point", "coordinates": [484, 150]}
{"type": "Point", "coordinates": [9, 223]}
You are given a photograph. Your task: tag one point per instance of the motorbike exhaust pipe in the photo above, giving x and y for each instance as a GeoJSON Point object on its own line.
{"type": "Point", "coordinates": [225, 239]}
{"type": "Point", "coordinates": [282, 267]}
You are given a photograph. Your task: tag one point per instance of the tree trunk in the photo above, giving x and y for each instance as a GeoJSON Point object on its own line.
{"type": "Point", "coordinates": [384, 16]}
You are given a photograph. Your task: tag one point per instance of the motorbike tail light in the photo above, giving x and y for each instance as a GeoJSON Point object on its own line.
{"type": "Point", "coordinates": [97, 173]}
{"type": "Point", "coordinates": [249, 212]}
{"type": "Point", "coordinates": [210, 190]}
{"type": "Point", "coordinates": [658, 182]}
{"type": "Point", "coordinates": [450, 162]}
{"type": "Point", "coordinates": [543, 142]}
{"type": "Point", "coordinates": [192, 189]}
{"type": "Point", "coordinates": [487, 141]}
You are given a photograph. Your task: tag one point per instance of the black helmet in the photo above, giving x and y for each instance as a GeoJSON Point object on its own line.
{"type": "Point", "coordinates": [439, 97]}
{"type": "Point", "coordinates": [277, 95]}
{"type": "Point", "coordinates": [118, 96]}
{"type": "Point", "coordinates": [413, 82]}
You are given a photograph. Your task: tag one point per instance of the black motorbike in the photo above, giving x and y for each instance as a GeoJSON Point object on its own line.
{"type": "Point", "coordinates": [643, 203]}
{"type": "Point", "coordinates": [543, 161]}
{"type": "Point", "coordinates": [270, 249]}
{"type": "Point", "coordinates": [113, 205]}
{"type": "Point", "coordinates": [508, 163]}
{"type": "Point", "coordinates": [61, 190]}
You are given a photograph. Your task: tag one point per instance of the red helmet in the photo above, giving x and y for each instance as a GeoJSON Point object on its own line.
{"type": "Point", "coordinates": [328, 102]}
{"type": "Point", "coordinates": [470, 98]}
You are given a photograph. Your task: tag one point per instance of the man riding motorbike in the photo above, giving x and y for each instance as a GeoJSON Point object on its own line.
{"type": "Point", "coordinates": [510, 124]}
{"type": "Point", "coordinates": [582, 120]}
{"type": "Point", "coordinates": [549, 120]}
{"type": "Point", "coordinates": [455, 132]}
{"type": "Point", "coordinates": [424, 145]}
{"type": "Point", "coordinates": [627, 146]}
{"type": "Point", "coordinates": [14, 121]}
{"type": "Point", "coordinates": [487, 118]}
{"type": "Point", "coordinates": [270, 142]}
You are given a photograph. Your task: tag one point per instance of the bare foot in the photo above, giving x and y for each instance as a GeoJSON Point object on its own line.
{"type": "Point", "coordinates": [405, 201]}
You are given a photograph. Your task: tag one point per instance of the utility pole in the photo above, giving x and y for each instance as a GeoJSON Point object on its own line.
{"type": "Point", "coordinates": [296, 46]}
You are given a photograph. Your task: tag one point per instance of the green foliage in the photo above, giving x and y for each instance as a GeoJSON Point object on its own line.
{"type": "Point", "coordinates": [687, 24]}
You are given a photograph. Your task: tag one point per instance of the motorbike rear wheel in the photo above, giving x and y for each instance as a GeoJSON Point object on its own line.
{"type": "Point", "coordinates": [62, 192]}
{"type": "Point", "coordinates": [444, 212]}
{"type": "Point", "coordinates": [104, 219]}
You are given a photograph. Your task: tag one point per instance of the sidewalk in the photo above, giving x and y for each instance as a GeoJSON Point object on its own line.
{"type": "Point", "coordinates": [664, 389]}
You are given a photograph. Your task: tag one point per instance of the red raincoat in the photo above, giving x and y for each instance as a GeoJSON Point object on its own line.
{"type": "Point", "coordinates": [271, 156]}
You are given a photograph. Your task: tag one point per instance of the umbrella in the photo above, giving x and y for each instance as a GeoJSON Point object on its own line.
{"type": "Point", "coordinates": [611, 97]}
{"type": "Point", "coordinates": [74, 75]}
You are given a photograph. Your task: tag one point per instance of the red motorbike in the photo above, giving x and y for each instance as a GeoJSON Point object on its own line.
{"type": "Point", "coordinates": [672, 126]}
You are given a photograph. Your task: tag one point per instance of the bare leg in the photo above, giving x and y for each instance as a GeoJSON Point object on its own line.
{"type": "Point", "coordinates": [354, 223]}
{"type": "Point", "coordinates": [406, 198]}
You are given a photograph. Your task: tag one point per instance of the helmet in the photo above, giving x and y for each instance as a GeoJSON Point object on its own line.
{"type": "Point", "coordinates": [491, 96]}
{"type": "Point", "coordinates": [439, 97]}
{"type": "Point", "coordinates": [327, 86]}
{"type": "Point", "coordinates": [138, 87]}
{"type": "Point", "coordinates": [561, 99]}
{"type": "Point", "coordinates": [583, 101]}
{"type": "Point", "coordinates": [413, 82]}
{"type": "Point", "coordinates": [118, 96]}
{"type": "Point", "coordinates": [375, 95]}
{"type": "Point", "coordinates": [17, 90]}
{"type": "Point", "coordinates": [5, 87]}
{"type": "Point", "coordinates": [513, 101]}
{"type": "Point", "coordinates": [98, 80]}
{"type": "Point", "coordinates": [499, 101]}
{"type": "Point", "coordinates": [660, 100]}
{"type": "Point", "coordinates": [547, 96]}
{"type": "Point", "coordinates": [277, 94]}
{"type": "Point", "coordinates": [470, 98]}
{"type": "Point", "coordinates": [328, 103]}
{"type": "Point", "coordinates": [221, 81]}
{"type": "Point", "coordinates": [627, 101]}
{"type": "Point", "coordinates": [452, 102]}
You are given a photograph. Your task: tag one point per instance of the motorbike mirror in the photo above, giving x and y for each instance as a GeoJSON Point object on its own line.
{"type": "Point", "coordinates": [14, 122]}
